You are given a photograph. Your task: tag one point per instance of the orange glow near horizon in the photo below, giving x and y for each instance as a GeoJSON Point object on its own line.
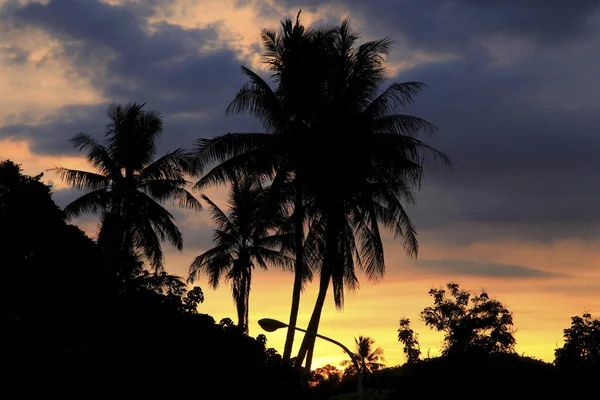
{"type": "Point", "coordinates": [37, 89]}
{"type": "Point", "coordinates": [542, 306]}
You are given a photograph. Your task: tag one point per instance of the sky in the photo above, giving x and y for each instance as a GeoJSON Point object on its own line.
{"type": "Point", "coordinates": [512, 88]}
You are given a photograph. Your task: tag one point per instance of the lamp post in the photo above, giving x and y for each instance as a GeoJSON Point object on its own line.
{"type": "Point", "coordinates": [271, 325]}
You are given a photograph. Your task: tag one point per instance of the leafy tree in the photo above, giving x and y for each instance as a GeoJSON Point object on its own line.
{"type": "Point", "coordinates": [476, 323]}
{"type": "Point", "coordinates": [192, 299]}
{"type": "Point", "coordinates": [326, 375]}
{"type": "Point", "coordinates": [582, 343]}
{"type": "Point", "coordinates": [369, 359]}
{"type": "Point", "coordinates": [245, 236]}
{"type": "Point", "coordinates": [129, 185]}
{"type": "Point", "coordinates": [51, 268]}
{"type": "Point", "coordinates": [408, 337]}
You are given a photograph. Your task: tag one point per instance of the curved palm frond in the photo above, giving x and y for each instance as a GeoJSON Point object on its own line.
{"type": "Point", "coordinates": [257, 97]}
{"type": "Point", "coordinates": [224, 148]}
{"type": "Point", "coordinates": [397, 94]}
{"type": "Point", "coordinates": [97, 155]}
{"type": "Point", "coordinates": [371, 246]}
{"type": "Point", "coordinates": [162, 220]}
{"type": "Point", "coordinates": [89, 203]}
{"type": "Point", "coordinates": [168, 167]}
{"type": "Point", "coordinates": [163, 190]}
{"type": "Point", "coordinates": [82, 179]}
{"type": "Point", "coordinates": [219, 217]}
{"type": "Point", "coordinates": [147, 237]}
{"type": "Point", "coordinates": [219, 258]}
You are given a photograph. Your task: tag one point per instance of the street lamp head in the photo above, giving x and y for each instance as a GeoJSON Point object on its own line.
{"type": "Point", "coordinates": [271, 325]}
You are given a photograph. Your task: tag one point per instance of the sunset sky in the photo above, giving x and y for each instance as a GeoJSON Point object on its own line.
{"type": "Point", "coordinates": [512, 87]}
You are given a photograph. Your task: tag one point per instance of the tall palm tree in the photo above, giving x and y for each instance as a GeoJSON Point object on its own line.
{"type": "Point", "coordinates": [366, 166]}
{"type": "Point", "coordinates": [275, 155]}
{"type": "Point", "coordinates": [353, 161]}
{"type": "Point", "coordinates": [246, 235]}
{"type": "Point", "coordinates": [369, 359]}
{"type": "Point", "coordinates": [129, 186]}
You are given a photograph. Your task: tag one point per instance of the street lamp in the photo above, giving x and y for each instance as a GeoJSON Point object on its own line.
{"type": "Point", "coordinates": [271, 325]}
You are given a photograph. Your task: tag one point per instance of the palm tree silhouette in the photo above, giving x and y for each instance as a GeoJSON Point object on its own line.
{"type": "Point", "coordinates": [246, 235]}
{"type": "Point", "coordinates": [276, 154]}
{"type": "Point", "coordinates": [129, 187]}
{"type": "Point", "coordinates": [369, 359]}
{"type": "Point", "coordinates": [366, 164]}
{"type": "Point", "coordinates": [353, 162]}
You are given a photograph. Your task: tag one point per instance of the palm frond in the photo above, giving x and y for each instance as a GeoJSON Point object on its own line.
{"type": "Point", "coordinates": [257, 97]}
{"type": "Point", "coordinates": [218, 150]}
{"type": "Point", "coordinates": [163, 190]}
{"type": "Point", "coordinates": [371, 246]}
{"type": "Point", "coordinates": [151, 212]}
{"type": "Point", "coordinates": [171, 166]}
{"type": "Point", "coordinates": [97, 155]}
{"type": "Point", "coordinates": [82, 179]}
{"type": "Point", "coordinates": [219, 217]}
{"type": "Point", "coordinates": [89, 203]}
{"type": "Point", "coordinates": [147, 237]}
{"type": "Point", "coordinates": [273, 257]}
{"type": "Point", "coordinates": [397, 94]}
{"type": "Point", "coordinates": [219, 256]}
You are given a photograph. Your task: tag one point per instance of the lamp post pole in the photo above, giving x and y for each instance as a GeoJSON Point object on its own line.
{"type": "Point", "coordinates": [271, 325]}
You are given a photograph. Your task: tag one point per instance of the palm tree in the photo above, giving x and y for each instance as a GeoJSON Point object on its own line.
{"type": "Point", "coordinates": [369, 359]}
{"type": "Point", "coordinates": [365, 167]}
{"type": "Point", "coordinates": [273, 155]}
{"type": "Point", "coordinates": [129, 187]}
{"type": "Point", "coordinates": [245, 236]}
{"type": "Point", "coordinates": [352, 161]}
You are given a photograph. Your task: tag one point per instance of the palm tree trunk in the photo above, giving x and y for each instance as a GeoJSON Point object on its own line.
{"type": "Point", "coordinates": [313, 326]}
{"type": "Point", "coordinates": [239, 305]}
{"type": "Point", "coordinates": [331, 251]}
{"type": "Point", "coordinates": [298, 273]}
{"type": "Point", "coordinates": [247, 302]}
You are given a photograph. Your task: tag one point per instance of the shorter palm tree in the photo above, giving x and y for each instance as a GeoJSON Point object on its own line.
{"type": "Point", "coordinates": [246, 235]}
{"type": "Point", "coordinates": [129, 187]}
{"type": "Point", "coordinates": [369, 359]}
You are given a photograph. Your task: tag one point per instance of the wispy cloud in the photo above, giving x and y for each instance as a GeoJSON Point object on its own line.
{"type": "Point", "coordinates": [484, 269]}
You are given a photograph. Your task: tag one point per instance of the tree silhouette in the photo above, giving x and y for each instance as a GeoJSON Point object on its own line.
{"type": "Point", "coordinates": [476, 323]}
{"type": "Point", "coordinates": [366, 163]}
{"type": "Point", "coordinates": [276, 154]}
{"type": "Point", "coordinates": [246, 235]}
{"type": "Point", "coordinates": [129, 186]}
{"type": "Point", "coordinates": [408, 337]}
{"type": "Point", "coordinates": [582, 343]}
{"type": "Point", "coordinates": [337, 142]}
{"type": "Point", "coordinates": [369, 359]}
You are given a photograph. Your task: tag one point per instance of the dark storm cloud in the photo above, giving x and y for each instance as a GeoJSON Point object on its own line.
{"type": "Point", "coordinates": [516, 107]}
{"type": "Point", "coordinates": [166, 66]}
{"type": "Point", "coordinates": [472, 268]}
{"type": "Point", "coordinates": [449, 24]}
{"type": "Point", "coordinates": [51, 135]}
{"type": "Point", "coordinates": [516, 110]}
{"type": "Point", "coordinates": [524, 142]}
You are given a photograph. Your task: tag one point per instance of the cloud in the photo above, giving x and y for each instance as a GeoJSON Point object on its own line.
{"type": "Point", "coordinates": [482, 269]}
{"type": "Point", "coordinates": [186, 74]}
{"type": "Point", "coordinates": [512, 91]}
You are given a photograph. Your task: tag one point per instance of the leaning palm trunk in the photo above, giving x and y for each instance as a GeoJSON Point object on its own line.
{"type": "Point", "coordinates": [308, 344]}
{"type": "Point", "coordinates": [331, 257]}
{"type": "Point", "coordinates": [298, 274]}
